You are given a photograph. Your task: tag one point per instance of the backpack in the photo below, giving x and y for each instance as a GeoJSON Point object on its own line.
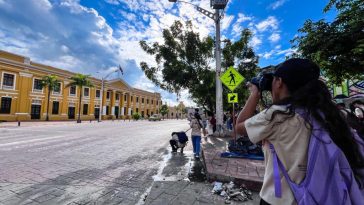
{"type": "Point", "coordinates": [182, 137]}
{"type": "Point", "coordinates": [329, 178]}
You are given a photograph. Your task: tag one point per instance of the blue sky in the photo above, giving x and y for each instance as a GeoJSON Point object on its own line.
{"type": "Point", "coordinates": [95, 36]}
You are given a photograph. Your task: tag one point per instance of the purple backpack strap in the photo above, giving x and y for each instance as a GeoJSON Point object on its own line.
{"type": "Point", "coordinates": [277, 178]}
{"type": "Point", "coordinates": [277, 167]}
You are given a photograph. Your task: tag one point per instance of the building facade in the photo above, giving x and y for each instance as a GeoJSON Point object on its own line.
{"type": "Point", "coordinates": [176, 112]}
{"type": "Point", "coordinates": [22, 97]}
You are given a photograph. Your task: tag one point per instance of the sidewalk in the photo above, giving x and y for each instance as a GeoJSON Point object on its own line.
{"type": "Point", "coordinates": [183, 181]}
{"type": "Point", "coordinates": [188, 193]}
{"type": "Point", "coordinates": [240, 171]}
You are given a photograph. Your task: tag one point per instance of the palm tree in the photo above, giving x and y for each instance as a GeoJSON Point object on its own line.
{"type": "Point", "coordinates": [51, 82]}
{"type": "Point", "coordinates": [80, 80]}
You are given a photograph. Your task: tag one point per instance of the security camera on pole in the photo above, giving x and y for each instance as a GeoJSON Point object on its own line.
{"type": "Point", "coordinates": [217, 5]}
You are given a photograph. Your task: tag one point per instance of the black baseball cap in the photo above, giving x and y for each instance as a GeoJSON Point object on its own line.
{"type": "Point", "coordinates": [297, 72]}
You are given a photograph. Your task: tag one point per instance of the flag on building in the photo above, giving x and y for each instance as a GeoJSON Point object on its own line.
{"type": "Point", "coordinates": [121, 70]}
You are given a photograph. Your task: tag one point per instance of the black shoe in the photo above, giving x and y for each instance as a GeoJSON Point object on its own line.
{"type": "Point", "coordinates": [174, 150]}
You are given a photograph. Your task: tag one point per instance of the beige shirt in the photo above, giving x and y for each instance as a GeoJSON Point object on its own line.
{"type": "Point", "coordinates": [290, 137]}
{"type": "Point", "coordinates": [196, 128]}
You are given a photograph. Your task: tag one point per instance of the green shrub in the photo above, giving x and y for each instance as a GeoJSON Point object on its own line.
{"type": "Point", "coordinates": [136, 116]}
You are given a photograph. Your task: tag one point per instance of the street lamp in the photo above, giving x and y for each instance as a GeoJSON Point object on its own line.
{"type": "Point", "coordinates": [217, 5]}
{"type": "Point", "coordinates": [102, 89]}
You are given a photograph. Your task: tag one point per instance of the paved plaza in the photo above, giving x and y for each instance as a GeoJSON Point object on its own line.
{"type": "Point", "coordinates": [111, 162]}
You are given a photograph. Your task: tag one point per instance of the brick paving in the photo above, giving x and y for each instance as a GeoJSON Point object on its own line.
{"type": "Point", "coordinates": [87, 163]}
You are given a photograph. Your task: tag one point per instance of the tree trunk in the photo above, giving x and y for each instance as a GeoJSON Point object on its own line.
{"type": "Point", "coordinates": [49, 97]}
{"type": "Point", "coordinates": [79, 107]}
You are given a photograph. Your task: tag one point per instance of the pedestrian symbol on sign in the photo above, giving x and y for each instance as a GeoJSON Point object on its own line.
{"type": "Point", "coordinates": [231, 78]}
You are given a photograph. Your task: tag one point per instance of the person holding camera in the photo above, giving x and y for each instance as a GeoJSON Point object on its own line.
{"type": "Point", "coordinates": [286, 133]}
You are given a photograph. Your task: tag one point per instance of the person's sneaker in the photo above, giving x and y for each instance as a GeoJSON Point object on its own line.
{"type": "Point", "coordinates": [174, 150]}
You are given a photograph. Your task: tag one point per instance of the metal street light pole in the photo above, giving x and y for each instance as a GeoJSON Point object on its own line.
{"type": "Point", "coordinates": [216, 17]}
{"type": "Point", "coordinates": [102, 92]}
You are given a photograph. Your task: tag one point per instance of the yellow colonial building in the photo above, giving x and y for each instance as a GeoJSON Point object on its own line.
{"type": "Point", "coordinates": [22, 97]}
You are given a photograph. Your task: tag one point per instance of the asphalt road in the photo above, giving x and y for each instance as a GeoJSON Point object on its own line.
{"type": "Point", "coordinates": [88, 163]}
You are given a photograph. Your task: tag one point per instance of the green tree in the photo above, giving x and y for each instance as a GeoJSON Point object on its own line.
{"type": "Point", "coordinates": [136, 116]}
{"type": "Point", "coordinates": [80, 80]}
{"type": "Point", "coordinates": [242, 56]}
{"type": "Point", "coordinates": [51, 83]}
{"type": "Point", "coordinates": [184, 62]}
{"type": "Point", "coordinates": [337, 46]}
{"type": "Point", "coordinates": [163, 110]}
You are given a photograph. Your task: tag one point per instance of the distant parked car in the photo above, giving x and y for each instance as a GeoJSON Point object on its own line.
{"type": "Point", "coordinates": [155, 117]}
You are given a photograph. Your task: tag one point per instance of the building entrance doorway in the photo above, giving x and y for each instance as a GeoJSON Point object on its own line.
{"type": "Point", "coordinates": [71, 112]}
{"type": "Point", "coordinates": [35, 112]}
{"type": "Point", "coordinates": [116, 112]}
{"type": "Point", "coordinates": [97, 113]}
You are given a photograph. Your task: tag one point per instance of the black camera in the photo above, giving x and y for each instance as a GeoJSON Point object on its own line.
{"type": "Point", "coordinates": [263, 81]}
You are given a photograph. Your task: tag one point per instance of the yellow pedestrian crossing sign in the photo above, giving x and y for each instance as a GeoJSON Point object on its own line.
{"type": "Point", "coordinates": [231, 78]}
{"type": "Point", "coordinates": [232, 97]}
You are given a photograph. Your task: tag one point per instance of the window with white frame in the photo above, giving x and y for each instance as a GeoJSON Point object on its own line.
{"type": "Point", "coordinates": [117, 96]}
{"type": "Point", "coordinates": [57, 89]}
{"type": "Point", "coordinates": [108, 95]}
{"type": "Point", "coordinates": [86, 92]}
{"type": "Point", "coordinates": [73, 91]}
{"type": "Point", "coordinates": [8, 81]}
{"type": "Point", "coordinates": [37, 85]}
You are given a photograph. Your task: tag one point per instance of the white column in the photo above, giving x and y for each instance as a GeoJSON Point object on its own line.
{"type": "Point", "coordinates": [129, 111]}
{"type": "Point", "coordinates": [113, 110]}
{"type": "Point", "coordinates": [104, 110]}
{"type": "Point", "coordinates": [122, 111]}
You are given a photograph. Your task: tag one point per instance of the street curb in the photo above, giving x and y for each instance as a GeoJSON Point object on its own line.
{"type": "Point", "coordinates": [252, 184]}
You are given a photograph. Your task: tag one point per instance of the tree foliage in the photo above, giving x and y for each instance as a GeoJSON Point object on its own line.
{"type": "Point", "coordinates": [185, 61]}
{"type": "Point", "coordinates": [51, 83]}
{"type": "Point", "coordinates": [163, 110]}
{"type": "Point", "coordinates": [136, 116]}
{"type": "Point", "coordinates": [80, 80]}
{"type": "Point", "coordinates": [337, 46]}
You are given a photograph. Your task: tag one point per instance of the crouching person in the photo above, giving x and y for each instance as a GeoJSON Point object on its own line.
{"type": "Point", "coordinates": [179, 140]}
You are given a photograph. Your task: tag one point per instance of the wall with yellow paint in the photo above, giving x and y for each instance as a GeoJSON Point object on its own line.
{"type": "Point", "coordinates": [20, 101]}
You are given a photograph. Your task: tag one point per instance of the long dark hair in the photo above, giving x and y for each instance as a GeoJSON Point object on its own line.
{"type": "Point", "coordinates": [315, 99]}
{"type": "Point", "coordinates": [198, 118]}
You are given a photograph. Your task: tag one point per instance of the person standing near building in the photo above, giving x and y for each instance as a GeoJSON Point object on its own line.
{"type": "Point", "coordinates": [196, 125]}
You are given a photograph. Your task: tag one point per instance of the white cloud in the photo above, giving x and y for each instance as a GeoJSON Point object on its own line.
{"type": "Point", "coordinates": [275, 5]}
{"type": "Point", "coordinates": [277, 52]}
{"type": "Point", "coordinates": [238, 25]}
{"type": "Point", "coordinates": [242, 18]}
{"type": "Point", "coordinates": [255, 42]}
{"type": "Point", "coordinates": [274, 37]}
{"type": "Point", "coordinates": [270, 23]}
{"type": "Point", "coordinates": [114, 2]}
{"type": "Point", "coordinates": [79, 39]}
{"type": "Point", "coordinates": [287, 52]}
{"type": "Point", "coordinates": [226, 21]}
